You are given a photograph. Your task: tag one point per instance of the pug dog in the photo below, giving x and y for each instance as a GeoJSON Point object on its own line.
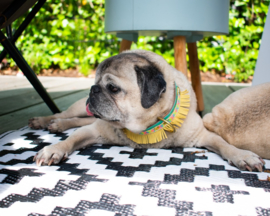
{"type": "Point", "coordinates": [136, 90]}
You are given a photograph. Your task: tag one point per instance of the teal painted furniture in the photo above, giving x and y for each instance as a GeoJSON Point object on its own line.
{"type": "Point", "coordinates": [184, 21]}
{"type": "Point", "coordinates": [193, 19]}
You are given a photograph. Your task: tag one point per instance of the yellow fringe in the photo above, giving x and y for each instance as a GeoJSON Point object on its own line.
{"type": "Point", "coordinates": [146, 139]}
{"type": "Point", "coordinates": [159, 135]}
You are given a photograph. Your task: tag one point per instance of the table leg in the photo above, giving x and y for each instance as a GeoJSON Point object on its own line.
{"type": "Point", "coordinates": [180, 54]}
{"type": "Point", "coordinates": [195, 74]}
{"type": "Point", "coordinates": [125, 45]}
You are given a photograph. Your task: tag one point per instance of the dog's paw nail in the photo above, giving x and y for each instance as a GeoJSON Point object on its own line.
{"type": "Point", "coordinates": [262, 160]}
{"type": "Point", "coordinates": [35, 157]}
{"type": "Point", "coordinates": [248, 168]}
{"type": "Point", "coordinates": [259, 167]}
{"type": "Point", "coordinates": [39, 162]}
{"type": "Point", "coordinates": [64, 157]}
{"type": "Point", "coordinates": [50, 162]}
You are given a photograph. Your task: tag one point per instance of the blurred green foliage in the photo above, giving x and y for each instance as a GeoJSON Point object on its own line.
{"type": "Point", "coordinates": [70, 33]}
{"type": "Point", "coordinates": [236, 53]}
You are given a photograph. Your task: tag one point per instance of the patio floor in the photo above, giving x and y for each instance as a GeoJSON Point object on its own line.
{"type": "Point", "coordinates": [19, 101]}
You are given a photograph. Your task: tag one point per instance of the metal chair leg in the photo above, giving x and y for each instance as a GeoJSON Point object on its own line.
{"type": "Point", "coordinates": [23, 26]}
{"type": "Point", "coordinates": [28, 72]}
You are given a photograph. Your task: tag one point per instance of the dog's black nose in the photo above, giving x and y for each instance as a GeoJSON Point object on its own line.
{"type": "Point", "coordinates": [95, 89]}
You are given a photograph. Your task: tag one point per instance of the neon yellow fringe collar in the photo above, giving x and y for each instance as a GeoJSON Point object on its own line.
{"type": "Point", "coordinates": [170, 123]}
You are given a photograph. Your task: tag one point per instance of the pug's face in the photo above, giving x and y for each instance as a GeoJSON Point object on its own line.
{"type": "Point", "coordinates": [126, 89]}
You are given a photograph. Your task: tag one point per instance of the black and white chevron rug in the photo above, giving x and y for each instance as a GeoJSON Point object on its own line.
{"type": "Point", "coordinates": [105, 180]}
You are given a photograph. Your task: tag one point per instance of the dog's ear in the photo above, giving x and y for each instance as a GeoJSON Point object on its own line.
{"type": "Point", "coordinates": [151, 83]}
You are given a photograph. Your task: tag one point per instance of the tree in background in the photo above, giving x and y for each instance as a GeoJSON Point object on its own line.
{"type": "Point", "coordinates": [70, 33]}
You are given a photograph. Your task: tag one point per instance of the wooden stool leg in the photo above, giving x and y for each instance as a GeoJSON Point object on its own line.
{"type": "Point", "coordinates": [180, 54]}
{"type": "Point", "coordinates": [195, 75]}
{"type": "Point", "coordinates": [125, 45]}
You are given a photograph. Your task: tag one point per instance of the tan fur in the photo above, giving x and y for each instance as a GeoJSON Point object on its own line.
{"type": "Point", "coordinates": [243, 119]}
{"type": "Point", "coordinates": [128, 108]}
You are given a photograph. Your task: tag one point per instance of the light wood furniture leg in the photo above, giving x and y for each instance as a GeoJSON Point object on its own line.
{"type": "Point", "coordinates": [180, 54]}
{"type": "Point", "coordinates": [125, 45]}
{"type": "Point", "coordinates": [195, 75]}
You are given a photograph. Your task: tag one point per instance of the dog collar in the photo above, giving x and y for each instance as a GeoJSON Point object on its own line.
{"type": "Point", "coordinates": [170, 123]}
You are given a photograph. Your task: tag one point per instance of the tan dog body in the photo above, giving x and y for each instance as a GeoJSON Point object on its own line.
{"type": "Point", "coordinates": [131, 90]}
{"type": "Point", "coordinates": [243, 119]}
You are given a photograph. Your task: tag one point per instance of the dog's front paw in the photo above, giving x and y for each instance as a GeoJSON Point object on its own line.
{"type": "Point", "coordinates": [39, 122]}
{"type": "Point", "coordinates": [57, 125]}
{"type": "Point", "coordinates": [247, 160]}
{"type": "Point", "coordinates": [52, 154]}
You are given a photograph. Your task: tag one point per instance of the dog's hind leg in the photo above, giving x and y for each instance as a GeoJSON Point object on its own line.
{"type": "Point", "coordinates": [78, 109]}
{"type": "Point", "coordinates": [243, 159]}
{"type": "Point", "coordinates": [208, 122]}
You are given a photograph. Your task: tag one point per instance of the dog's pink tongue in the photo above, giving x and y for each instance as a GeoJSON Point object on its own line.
{"type": "Point", "coordinates": [89, 113]}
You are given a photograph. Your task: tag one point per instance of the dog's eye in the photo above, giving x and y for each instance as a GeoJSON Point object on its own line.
{"type": "Point", "coordinates": [113, 88]}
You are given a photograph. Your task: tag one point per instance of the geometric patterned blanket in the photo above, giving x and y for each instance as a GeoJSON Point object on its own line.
{"type": "Point", "coordinates": [106, 180]}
